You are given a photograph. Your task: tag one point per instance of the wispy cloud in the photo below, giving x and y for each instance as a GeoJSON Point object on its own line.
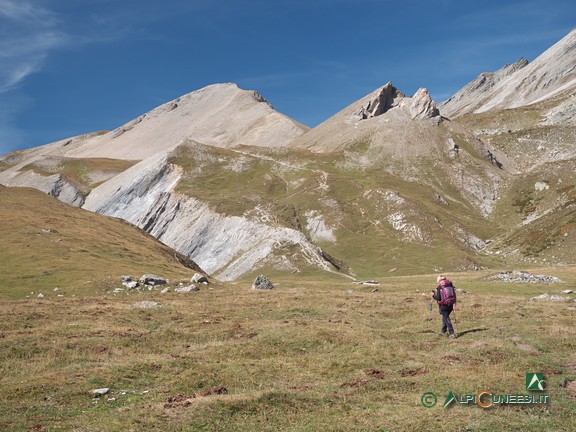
{"type": "Point", "coordinates": [27, 35]}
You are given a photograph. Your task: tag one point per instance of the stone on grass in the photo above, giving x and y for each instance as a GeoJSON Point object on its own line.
{"type": "Point", "coordinates": [523, 277]}
{"type": "Point", "coordinates": [198, 278]}
{"type": "Point", "coordinates": [131, 284]}
{"type": "Point", "coordinates": [100, 392]}
{"type": "Point", "coordinates": [187, 289]}
{"type": "Point", "coordinates": [567, 292]}
{"type": "Point", "coordinates": [547, 296]}
{"type": "Point", "coordinates": [152, 279]}
{"type": "Point", "coordinates": [146, 305]}
{"type": "Point", "coordinates": [262, 283]}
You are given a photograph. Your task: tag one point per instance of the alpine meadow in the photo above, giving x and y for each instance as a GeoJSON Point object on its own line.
{"type": "Point", "coordinates": [129, 258]}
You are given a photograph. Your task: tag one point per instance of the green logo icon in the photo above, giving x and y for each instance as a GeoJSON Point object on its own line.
{"type": "Point", "coordinates": [429, 399]}
{"type": "Point", "coordinates": [535, 381]}
{"type": "Point", "coordinates": [449, 399]}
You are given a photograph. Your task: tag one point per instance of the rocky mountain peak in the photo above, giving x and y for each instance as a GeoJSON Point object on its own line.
{"type": "Point", "coordinates": [381, 101]}
{"type": "Point", "coordinates": [421, 105]}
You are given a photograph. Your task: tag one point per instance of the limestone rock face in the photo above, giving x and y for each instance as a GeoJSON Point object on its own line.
{"type": "Point", "coordinates": [520, 83]}
{"type": "Point", "coordinates": [465, 99]}
{"type": "Point", "coordinates": [422, 106]}
{"type": "Point", "coordinates": [381, 102]}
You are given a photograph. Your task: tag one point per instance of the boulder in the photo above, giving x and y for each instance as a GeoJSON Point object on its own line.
{"type": "Point", "coordinates": [131, 285]}
{"type": "Point", "coordinates": [262, 283]}
{"type": "Point", "coordinates": [198, 278]}
{"type": "Point", "coordinates": [151, 279]}
{"type": "Point", "coordinates": [100, 392]}
{"type": "Point", "coordinates": [187, 289]}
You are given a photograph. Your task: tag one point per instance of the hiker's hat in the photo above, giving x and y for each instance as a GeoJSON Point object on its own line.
{"type": "Point", "coordinates": [439, 278]}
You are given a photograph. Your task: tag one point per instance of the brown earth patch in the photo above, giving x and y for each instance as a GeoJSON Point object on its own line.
{"type": "Point", "coordinates": [375, 373]}
{"type": "Point", "coordinates": [413, 372]}
{"type": "Point", "coordinates": [356, 382]}
{"type": "Point", "coordinates": [571, 386]}
{"type": "Point", "coordinates": [219, 389]}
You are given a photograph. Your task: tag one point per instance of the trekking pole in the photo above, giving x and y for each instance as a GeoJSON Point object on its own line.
{"type": "Point", "coordinates": [455, 320]}
{"type": "Point", "coordinates": [430, 311]}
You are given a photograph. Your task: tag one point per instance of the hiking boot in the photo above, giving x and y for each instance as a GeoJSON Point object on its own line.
{"type": "Point", "coordinates": [452, 336]}
{"type": "Point", "coordinates": [442, 334]}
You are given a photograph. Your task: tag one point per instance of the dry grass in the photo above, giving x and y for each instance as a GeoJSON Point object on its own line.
{"type": "Point", "coordinates": [47, 244]}
{"type": "Point", "coordinates": [306, 356]}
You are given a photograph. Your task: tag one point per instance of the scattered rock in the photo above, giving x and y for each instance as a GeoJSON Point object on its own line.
{"type": "Point", "coordinates": [187, 289]}
{"type": "Point", "coordinates": [164, 291]}
{"type": "Point", "coordinates": [131, 284]}
{"type": "Point", "coordinates": [40, 296]}
{"type": "Point", "coordinates": [523, 277]}
{"type": "Point", "coordinates": [118, 290]}
{"type": "Point", "coordinates": [127, 279]}
{"type": "Point", "coordinates": [368, 282]}
{"type": "Point", "coordinates": [146, 305]}
{"type": "Point", "coordinates": [100, 392]}
{"type": "Point", "coordinates": [151, 279]}
{"type": "Point", "coordinates": [198, 278]}
{"type": "Point", "coordinates": [262, 283]}
{"type": "Point", "coordinates": [547, 296]}
{"type": "Point", "coordinates": [460, 290]}
{"type": "Point", "coordinates": [567, 292]}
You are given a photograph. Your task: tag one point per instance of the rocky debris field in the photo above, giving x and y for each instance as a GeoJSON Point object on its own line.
{"type": "Point", "coordinates": [523, 277]}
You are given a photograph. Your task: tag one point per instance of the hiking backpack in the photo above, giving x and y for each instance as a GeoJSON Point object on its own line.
{"type": "Point", "coordinates": [447, 293]}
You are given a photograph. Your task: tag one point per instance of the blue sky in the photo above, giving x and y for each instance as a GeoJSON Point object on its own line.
{"type": "Point", "coordinates": [69, 67]}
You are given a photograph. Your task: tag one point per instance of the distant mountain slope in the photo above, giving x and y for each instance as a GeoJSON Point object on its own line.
{"type": "Point", "coordinates": [221, 115]}
{"type": "Point", "coordinates": [406, 137]}
{"type": "Point", "coordinates": [45, 243]}
{"type": "Point", "coordinates": [519, 84]}
{"type": "Point", "coordinates": [386, 183]}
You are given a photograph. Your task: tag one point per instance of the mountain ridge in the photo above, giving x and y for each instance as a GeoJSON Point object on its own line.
{"type": "Point", "coordinates": [239, 188]}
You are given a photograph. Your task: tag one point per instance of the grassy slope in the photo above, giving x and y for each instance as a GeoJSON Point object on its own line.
{"type": "Point", "coordinates": [45, 243]}
{"type": "Point", "coordinates": [288, 184]}
{"type": "Point", "coordinates": [308, 356]}
{"type": "Point", "coordinates": [519, 133]}
{"type": "Point", "coordinates": [78, 170]}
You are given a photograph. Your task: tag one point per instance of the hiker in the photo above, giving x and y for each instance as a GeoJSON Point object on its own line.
{"type": "Point", "coordinates": [445, 295]}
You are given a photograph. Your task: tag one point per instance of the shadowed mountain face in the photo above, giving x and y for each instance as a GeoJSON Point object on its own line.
{"type": "Point", "coordinates": [386, 183]}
